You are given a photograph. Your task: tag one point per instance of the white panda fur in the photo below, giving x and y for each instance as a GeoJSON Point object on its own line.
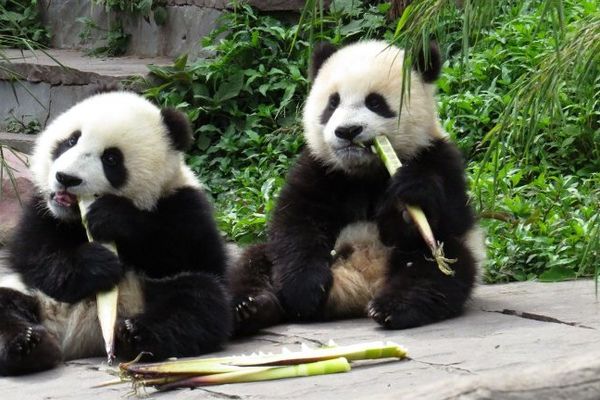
{"type": "Point", "coordinates": [338, 195]}
{"type": "Point", "coordinates": [151, 142]}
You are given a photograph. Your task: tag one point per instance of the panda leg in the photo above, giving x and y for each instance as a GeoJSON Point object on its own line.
{"type": "Point", "coordinates": [255, 304]}
{"type": "Point", "coordinates": [417, 293]}
{"type": "Point", "coordinates": [184, 315]}
{"type": "Point", "coordinates": [25, 345]}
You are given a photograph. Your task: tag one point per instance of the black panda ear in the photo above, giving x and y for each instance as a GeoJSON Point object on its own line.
{"type": "Point", "coordinates": [321, 52]}
{"type": "Point", "coordinates": [429, 67]}
{"type": "Point", "coordinates": [106, 88]}
{"type": "Point", "coordinates": [178, 126]}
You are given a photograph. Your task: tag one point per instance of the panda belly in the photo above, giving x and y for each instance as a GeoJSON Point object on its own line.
{"type": "Point", "coordinates": [75, 326]}
{"type": "Point", "coordinates": [358, 270]}
{"type": "Point", "coordinates": [360, 263]}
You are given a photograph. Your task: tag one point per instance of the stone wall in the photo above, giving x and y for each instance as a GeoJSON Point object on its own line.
{"type": "Point", "coordinates": [188, 21]}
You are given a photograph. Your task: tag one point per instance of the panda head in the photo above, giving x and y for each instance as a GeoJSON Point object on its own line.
{"type": "Point", "coordinates": [356, 95]}
{"type": "Point", "coordinates": [111, 143]}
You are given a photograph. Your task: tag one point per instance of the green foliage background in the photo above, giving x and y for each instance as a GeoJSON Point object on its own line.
{"type": "Point", "coordinates": [20, 22]}
{"type": "Point", "coordinates": [535, 177]}
{"type": "Point", "coordinates": [519, 93]}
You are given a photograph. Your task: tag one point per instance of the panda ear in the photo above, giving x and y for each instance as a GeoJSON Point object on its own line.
{"type": "Point", "coordinates": [178, 127]}
{"type": "Point", "coordinates": [321, 52]}
{"type": "Point", "coordinates": [429, 66]}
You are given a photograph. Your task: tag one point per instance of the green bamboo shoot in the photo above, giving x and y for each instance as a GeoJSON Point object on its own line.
{"type": "Point", "coordinates": [202, 366]}
{"type": "Point", "coordinates": [106, 302]}
{"type": "Point", "coordinates": [384, 149]}
{"type": "Point", "coordinates": [256, 374]}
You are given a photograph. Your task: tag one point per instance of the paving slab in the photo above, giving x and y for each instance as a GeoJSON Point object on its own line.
{"type": "Point", "coordinates": [516, 341]}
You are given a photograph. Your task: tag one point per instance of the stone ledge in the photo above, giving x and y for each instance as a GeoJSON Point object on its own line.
{"type": "Point", "coordinates": [18, 141]}
{"type": "Point", "coordinates": [263, 5]}
{"type": "Point", "coordinates": [71, 67]}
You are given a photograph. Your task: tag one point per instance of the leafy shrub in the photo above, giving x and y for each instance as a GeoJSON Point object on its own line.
{"type": "Point", "coordinates": [245, 104]}
{"type": "Point", "coordinates": [21, 19]}
{"type": "Point", "coordinates": [535, 185]}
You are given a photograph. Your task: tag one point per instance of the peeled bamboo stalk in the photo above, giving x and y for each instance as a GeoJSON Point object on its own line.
{"type": "Point", "coordinates": [202, 366]}
{"type": "Point", "coordinates": [194, 372]}
{"type": "Point", "coordinates": [106, 302]}
{"type": "Point", "coordinates": [256, 374]}
{"type": "Point", "coordinates": [384, 149]}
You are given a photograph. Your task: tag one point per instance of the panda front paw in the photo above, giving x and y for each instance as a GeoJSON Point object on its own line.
{"type": "Point", "coordinates": [407, 188]}
{"type": "Point", "coordinates": [112, 218]}
{"type": "Point", "coordinates": [415, 188]}
{"type": "Point", "coordinates": [304, 294]}
{"type": "Point", "coordinates": [99, 269]}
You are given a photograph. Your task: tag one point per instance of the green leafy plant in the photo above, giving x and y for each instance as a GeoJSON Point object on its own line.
{"type": "Point", "coordinates": [114, 36]}
{"type": "Point", "coordinates": [23, 125]}
{"type": "Point", "coordinates": [21, 19]}
{"type": "Point", "coordinates": [533, 166]}
{"type": "Point", "coordinates": [115, 39]}
{"type": "Point", "coordinates": [245, 103]}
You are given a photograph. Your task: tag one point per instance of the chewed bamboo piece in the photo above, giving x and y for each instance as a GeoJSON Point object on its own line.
{"type": "Point", "coordinates": [106, 302]}
{"type": "Point", "coordinates": [384, 149]}
{"type": "Point", "coordinates": [195, 372]}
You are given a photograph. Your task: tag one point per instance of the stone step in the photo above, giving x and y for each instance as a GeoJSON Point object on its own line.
{"type": "Point", "coordinates": [42, 84]}
{"type": "Point", "coordinates": [18, 141]}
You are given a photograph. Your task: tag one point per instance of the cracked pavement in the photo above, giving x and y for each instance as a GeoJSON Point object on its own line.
{"type": "Point", "coordinates": [516, 341]}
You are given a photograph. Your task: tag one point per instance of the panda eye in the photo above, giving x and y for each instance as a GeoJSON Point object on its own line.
{"type": "Point", "coordinates": [374, 101]}
{"type": "Point", "coordinates": [73, 139]}
{"type": "Point", "coordinates": [112, 157]}
{"type": "Point", "coordinates": [334, 101]}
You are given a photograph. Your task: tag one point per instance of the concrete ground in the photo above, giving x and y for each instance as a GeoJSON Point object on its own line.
{"type": "Point", "coordinates": [516, 341]}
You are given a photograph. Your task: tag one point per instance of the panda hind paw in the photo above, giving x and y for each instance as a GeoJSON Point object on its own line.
{"type": "Point", "coordinates": [397, 312]}
{"type": "Point", "coordinates": [255, 312]}
{"type": "Point", "coordinates": [24, 343]}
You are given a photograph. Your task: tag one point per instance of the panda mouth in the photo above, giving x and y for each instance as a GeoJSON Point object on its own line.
{"type": "Point", "coordinates": [357, 148]}
{"type": "Point", "coordinates": [64, 198]}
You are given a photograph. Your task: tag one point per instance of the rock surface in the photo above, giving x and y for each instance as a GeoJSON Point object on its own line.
{"type": "Point", "coordinates": [516, 341]}
{"type": "Point", "coordinates": [54, 80]}
{"type": "Point", "coordinates": [17, 188]}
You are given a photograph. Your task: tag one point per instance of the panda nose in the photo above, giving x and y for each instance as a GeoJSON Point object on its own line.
{"type": "Point", "coordinates": [67, 180]}
{"type": "Point", "coordinates": [348, 132]}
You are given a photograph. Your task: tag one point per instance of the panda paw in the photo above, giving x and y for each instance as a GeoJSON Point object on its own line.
{"type": "Point", "coordinates": [304, 295]}
{"type": "Point", "coordinates": [32, 349]}
{"type": "Point", "coordinates": [129, 339]}
{"type": "Point", "coordinates": [253, 313]}
{"type": "Point", "coordinates": [111, 218]}
{"type": "Point", "coordinates": [408, 310]}
{"type": "Point", "coordinates": [410, 187]}
{"type": "Point", "coordinates": [24, 343]}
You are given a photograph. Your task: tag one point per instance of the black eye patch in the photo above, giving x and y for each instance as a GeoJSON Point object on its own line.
{"type": "Point", "coordinates": [66, 144]}
{"type": "Point", "coordinates": [377, 103]}
{"type": "Point", "coordinates": [114, 166]}
{"type": "Point", "coordinates": [332, 104]}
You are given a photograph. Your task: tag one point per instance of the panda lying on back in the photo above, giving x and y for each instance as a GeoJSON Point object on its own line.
{"type": "Point", "coordinates": [339, 197]}
{"type": "Point", "coordinates": [120, 147]}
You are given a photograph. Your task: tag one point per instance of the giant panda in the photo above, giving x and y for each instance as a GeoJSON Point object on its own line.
{"type": "Point", "coordinates": [127, 154]}
{"type": "Point", "coordinates": [340, 242]}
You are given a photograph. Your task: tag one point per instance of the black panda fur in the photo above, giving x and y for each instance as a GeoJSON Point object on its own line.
{"type": "Point", "coordinates": [170, 267]}
{"type": "Point", "coordinates": [340, 243]}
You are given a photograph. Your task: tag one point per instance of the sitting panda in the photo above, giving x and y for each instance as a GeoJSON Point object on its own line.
{"type": "Point", "coordinates": [340, 242]}
{"type": "Point", "coordinates": [127, 153]}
